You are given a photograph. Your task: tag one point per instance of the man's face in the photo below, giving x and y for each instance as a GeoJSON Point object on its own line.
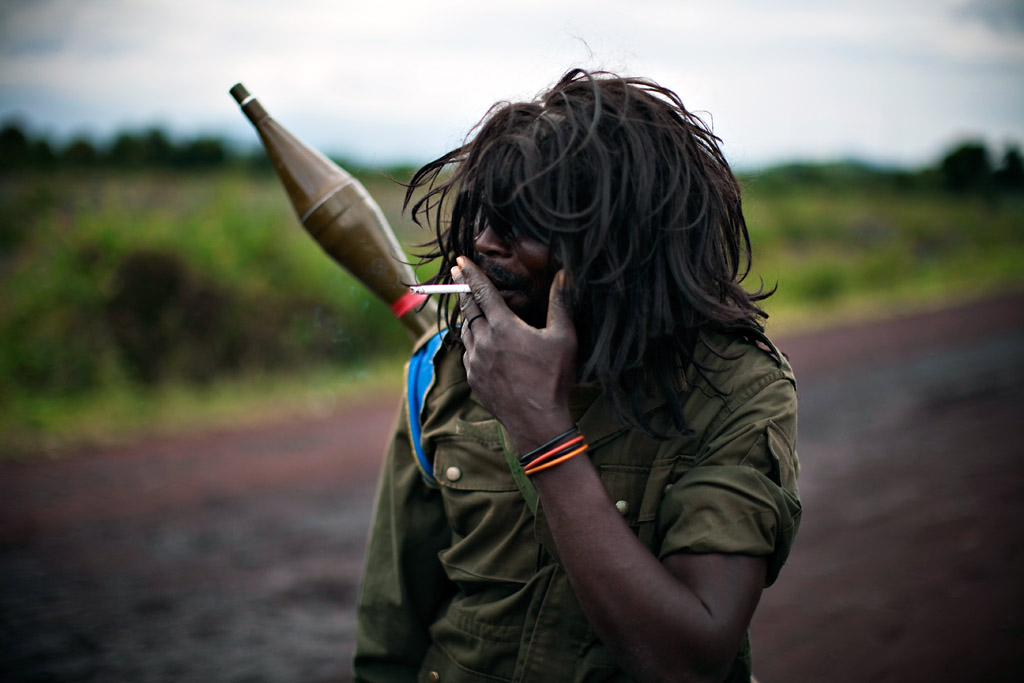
{"type": "Point", "coordinates": [522, 271]}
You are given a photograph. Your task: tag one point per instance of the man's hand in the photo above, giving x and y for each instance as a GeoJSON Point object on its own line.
{"type": "Point", "coordinates": [519, 373]}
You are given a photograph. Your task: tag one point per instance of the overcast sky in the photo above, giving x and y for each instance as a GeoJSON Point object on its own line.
{"type": "Point", "coordinates": [891, 81]}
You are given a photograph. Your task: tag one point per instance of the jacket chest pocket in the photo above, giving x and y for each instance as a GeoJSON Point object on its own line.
{"type": "Point", "coordinates": [637, 492]}
{"type": "Point", "coordinates": [491, 525]}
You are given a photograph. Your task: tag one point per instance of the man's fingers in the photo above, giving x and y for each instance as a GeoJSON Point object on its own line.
{"type": "Point", "coordinates": [483, 291]}
{"type": "Point", "coordinates": [467, 303]}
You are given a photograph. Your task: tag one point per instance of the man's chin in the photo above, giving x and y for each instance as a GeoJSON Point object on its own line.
{"type": "Point", "coordinates": [516, 300]}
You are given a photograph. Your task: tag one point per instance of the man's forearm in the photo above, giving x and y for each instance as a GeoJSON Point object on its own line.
{"type": "Point", "coordinates": [659, 628]}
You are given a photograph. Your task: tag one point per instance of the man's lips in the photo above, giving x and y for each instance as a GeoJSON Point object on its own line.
{"type": "Point", "coordinates": [504, 281]}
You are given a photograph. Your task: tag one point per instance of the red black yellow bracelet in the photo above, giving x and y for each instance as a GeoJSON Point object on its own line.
{"type": "Point", "coordinates": [561, 448]}
{"type": "Point", "coordinates": [533, 469]}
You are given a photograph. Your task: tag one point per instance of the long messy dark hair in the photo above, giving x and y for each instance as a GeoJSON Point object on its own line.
{"type": "Point", "coordinates": [636, 202]}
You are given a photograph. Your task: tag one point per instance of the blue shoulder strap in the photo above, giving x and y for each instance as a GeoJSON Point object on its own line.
{"type": "Point", "coordinates": [419, 377]}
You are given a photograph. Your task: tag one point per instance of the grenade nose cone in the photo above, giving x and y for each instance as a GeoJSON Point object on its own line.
{"type": "Point", "coordinates": [239, 92]}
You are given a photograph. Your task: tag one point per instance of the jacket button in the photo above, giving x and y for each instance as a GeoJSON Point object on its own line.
{"type": "Point", "coordinates": [622, 506]}
{"type": "Point", "coordinates": [668, 487]}
{"type": "Point", "coordinates": [454, 474]}
{"type": "Point", "coordinates": [433, 675]}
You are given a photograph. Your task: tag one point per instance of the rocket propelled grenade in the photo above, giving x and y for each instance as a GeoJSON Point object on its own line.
{"type": "Point", "coordinates": [342, 217]}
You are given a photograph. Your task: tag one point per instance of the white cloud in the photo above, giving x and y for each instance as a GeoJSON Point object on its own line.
{"type": "Point", "coordinates": [387, 79]}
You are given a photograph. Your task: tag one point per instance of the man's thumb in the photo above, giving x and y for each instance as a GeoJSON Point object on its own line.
{"type": "Point", "coordinates": [559, 315]}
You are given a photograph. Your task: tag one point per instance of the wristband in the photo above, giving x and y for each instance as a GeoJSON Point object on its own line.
{"type": "Point", "coordinates": [533, 469]}
{"type": "Point", "coordinates": [554, 443]}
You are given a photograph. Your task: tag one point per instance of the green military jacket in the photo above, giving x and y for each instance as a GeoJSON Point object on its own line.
{"type": "Point", "coordinates": [462, 579]}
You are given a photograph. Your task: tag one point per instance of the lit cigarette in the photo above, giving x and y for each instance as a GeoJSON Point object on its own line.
{"type": "Point", "coordinates": [440, 289]}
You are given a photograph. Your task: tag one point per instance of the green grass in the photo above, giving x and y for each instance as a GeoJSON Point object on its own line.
{"type": "Point", "coordinates": [837, 255]}
{"type": "Point", "coordinates": [277, 307]}
{"type": "Point", "coordinates": [271, 323]}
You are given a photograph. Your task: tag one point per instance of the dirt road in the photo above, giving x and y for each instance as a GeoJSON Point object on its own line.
{"type": "Point", "coordinates": [235, 556]}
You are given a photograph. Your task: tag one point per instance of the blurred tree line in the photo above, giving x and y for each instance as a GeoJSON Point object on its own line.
{"type": "Point", "coordinates": [151, 148]}
{"type": "Point", "coordinates": [967, 167]}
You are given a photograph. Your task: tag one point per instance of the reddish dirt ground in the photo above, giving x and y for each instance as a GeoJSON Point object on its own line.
{"type": "Point", "coordinates": [235, 556]}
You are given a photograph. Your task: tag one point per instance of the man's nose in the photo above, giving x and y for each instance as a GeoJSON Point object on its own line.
{"type": "Point", "coordinates": [489, 243]}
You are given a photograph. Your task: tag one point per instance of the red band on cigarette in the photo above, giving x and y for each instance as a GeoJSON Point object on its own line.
{"type": "Point", "coordinates": [405, 304]}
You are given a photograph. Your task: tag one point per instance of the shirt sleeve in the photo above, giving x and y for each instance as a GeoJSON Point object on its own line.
{"type": "Point", "coordinates": [740, 495]}
{"type": "Point", "coordinates": [403, 582]}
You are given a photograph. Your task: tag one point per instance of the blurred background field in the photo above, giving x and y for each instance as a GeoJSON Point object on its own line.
{"type": "Point", "coordinates": [194, 399]}
{"type": "Point", "coordinates": [147, 296]}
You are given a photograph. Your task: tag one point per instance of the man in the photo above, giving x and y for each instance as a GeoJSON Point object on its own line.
{"type": "Point", "coordinates": [596, 476]}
